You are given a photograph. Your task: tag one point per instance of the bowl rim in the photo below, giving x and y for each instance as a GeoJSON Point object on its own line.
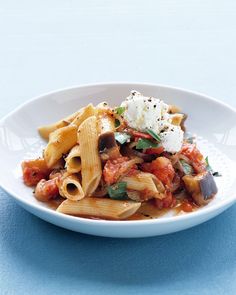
{"type": "Point", "coordinates": [81, 220]}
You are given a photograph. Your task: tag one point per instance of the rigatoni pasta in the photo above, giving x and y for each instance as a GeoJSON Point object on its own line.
{"type": "Point", "coordinates": [46, 130]}
{"type": "Point", "coordinates": [83, 114]}
{"type": "Point", "coordinates": [126, 162]}
{"type": "Point", "coordinates": [144, 181]}
{"type": "Point", "coordinates": [73, 160]}
{"type": "Point", "coordinates": [90, 162]}
{"type": "Point", "coordinates": [60, 142]}
{"type": "Point", "coordinates": [100, 207]}
{"type": "Point", "coordinates": [70, 187]}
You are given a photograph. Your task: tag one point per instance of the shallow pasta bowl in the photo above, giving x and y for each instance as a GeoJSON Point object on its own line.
{"type": "Point", "coordinates": [212, 121]}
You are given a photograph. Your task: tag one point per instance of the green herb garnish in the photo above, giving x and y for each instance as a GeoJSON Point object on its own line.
{"type": "Point", "coordinates": [154, 135]}
{"type": "Point", "coordinates": [144, 143]}
{"type": "Point", "coordinates": [120, 110]}
{"type": "Point", "coordinates": [122, 137]}
{"type": "Point", "coordinates": [118, 191]}
{"type": "Point", "coordinates": [188, 169]}
{"type": "Point", "coordinates": [208, 166]}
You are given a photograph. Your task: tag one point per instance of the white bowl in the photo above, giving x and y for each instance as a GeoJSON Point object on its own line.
{"type": "Point", "coordinates": [213, 122]}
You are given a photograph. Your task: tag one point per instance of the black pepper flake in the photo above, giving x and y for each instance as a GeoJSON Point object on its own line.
{"type": "Point", "coordinates": [150, 99]}
{"type": "Point", "coordinates": [155, 106]}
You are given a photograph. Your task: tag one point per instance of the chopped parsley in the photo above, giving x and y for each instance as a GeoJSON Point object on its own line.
{"type": "Point", "coordinates": [120, 110]}
{"type": "Point", "coordinates": [118, 191]}
{"type": "Point", "coordinates": [144, 143]}
{"type": "Point", "coordinates": [122, 137]}
{"type": "Point", "coordinates": [209, 168]}
{"type": "Point", "coordinates": [154, 135]}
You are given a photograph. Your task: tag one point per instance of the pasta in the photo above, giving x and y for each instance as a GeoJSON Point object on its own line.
{"type": "Point", "coordinates": [73, 160]}
{"type": "Point", "coordinates": [90, 162]}
{"type": "Point", "coordinates": [76, 119]}
{"type": "Point", "coordinates": [99, 207]}
{"type": "Point", "coordinates": [60, 142]}
{"type": "Point", "coordinates": [70, 187]}
{"type": "Point", "coordinates": [105, 123]}
{"type": "Point", "coordinates": [177, 119]}
{"type": "Point", "coordinates": [122, 163]}
{"type": "Point", "coordinates": [83, 114]}
{"type": "Point", "coordinates": [45, 131]}
{"type": "Point", "coordinates": [144, 181]}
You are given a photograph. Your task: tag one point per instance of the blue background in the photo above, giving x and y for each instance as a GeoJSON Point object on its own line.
{"type": "Point", "coordinates": [53, 44]}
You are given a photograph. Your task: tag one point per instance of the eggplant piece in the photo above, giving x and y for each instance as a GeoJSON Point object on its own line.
{"type": "Point", "coordinates": [106, 141]}
{"type": "Point", "coordinates": [202, 187]}
{"type": "Point", "coordinates": [107, 146]}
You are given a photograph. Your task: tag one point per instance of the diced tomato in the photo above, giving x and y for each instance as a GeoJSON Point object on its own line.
{"type": "Point", "coordinates": [154, 151]}
{"type": "Point", "coordinates": [114, 169]}
{"type": "Point", "coordinates": [168, 202]}
{"type": "Point", "coordinates": [191, 151]}
{"type": "Point", "coordinates": [162, 168]}
{"type": "Point", "coordinates": [139, 134]}
{"type": "Point", "coordinates": [186, 206]}
{"type": "Point", "coordinates": [32, 176]}
{"type": "Point", "coordinates": [46, 189]}
{"type": "Point", "coordinates": [34, 171]}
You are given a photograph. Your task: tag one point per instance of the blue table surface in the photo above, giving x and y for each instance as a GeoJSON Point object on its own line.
{"type": "Point", "coordinates": [47, 45]}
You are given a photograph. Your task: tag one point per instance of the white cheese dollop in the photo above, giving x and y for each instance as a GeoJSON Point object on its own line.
{"type": "Point", "coordinates": [142, 113]}
{"type": "Point", "coordinates": [172, 138]}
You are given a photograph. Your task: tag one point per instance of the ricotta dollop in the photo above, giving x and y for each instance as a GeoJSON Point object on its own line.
{"type": "Point", "coordinates": [142, 113]}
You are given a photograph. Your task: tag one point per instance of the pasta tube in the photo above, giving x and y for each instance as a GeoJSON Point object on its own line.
{"type": "Point", "coordinates": [70, 187]}
{"type": "Point", "coordinates": [177, 119]}
{"type": "Point", "coordinates": [140, 182]}
{"type": "Point", "coordinates": [90, 161]}
{"type": "Point", "coordinates": [99, 207]}
{"type": "Point", "coordinates": [73, 160]}
{"type": "Point", "coordinates": [83, 114]}
{"type": "Point", "coordinates": [145, 181]}
{"type": "Point", "coordinates": [105, 124]}
{"type": "Point", "coordinates": [45, 131]}
{"type": "Point", "coordinates": [60, 142]}
{"type": "Point", "coordinates": [76, 119]}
